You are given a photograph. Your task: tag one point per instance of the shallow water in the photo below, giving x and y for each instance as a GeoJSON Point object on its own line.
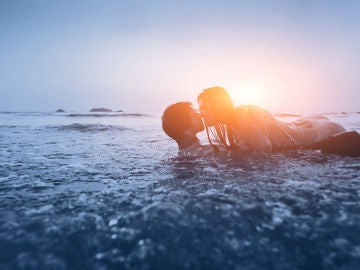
{"type": "Point", "coordinates": [81, 191]}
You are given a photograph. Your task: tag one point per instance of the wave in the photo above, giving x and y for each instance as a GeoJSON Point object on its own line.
{"type": "Point", "coordinates": [114, 114]}
{"type": "Point", "coordinates": [288, 115]}
{"type": "Point", "coordinates": [340, 113]}
{"type": "Point", "coordinates": [336, 113]}
{"type": "Point", "coordinates": [8, 126]}
{"type": "Point", "coordinates": [88, 127]}
{"type": "Point", "coordinates": [107, 115]}
{"type": "Point", "coordinates": [25, 113]}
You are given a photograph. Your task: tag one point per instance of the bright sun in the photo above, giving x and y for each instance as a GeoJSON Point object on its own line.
{"type": "Point", "coordinates": [247, 95]}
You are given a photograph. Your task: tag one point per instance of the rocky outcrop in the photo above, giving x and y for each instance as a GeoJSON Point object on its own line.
{"type": "Point", "coordinates": [100, 110]}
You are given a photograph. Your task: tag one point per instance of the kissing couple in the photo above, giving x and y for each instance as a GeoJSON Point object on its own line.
{"type": "Point", "coordinates": [251, 128]}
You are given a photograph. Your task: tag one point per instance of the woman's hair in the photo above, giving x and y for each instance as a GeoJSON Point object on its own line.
{"type": "Point", "coordinates": [176, 119]}
{"type": "Point", "coordinates": [222, 108]}
{"type": "Point", "coordinates": [220, 101]}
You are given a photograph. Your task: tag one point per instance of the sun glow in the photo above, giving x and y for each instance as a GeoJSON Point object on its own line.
{"type": "Point", "coordinates": [247, 94]}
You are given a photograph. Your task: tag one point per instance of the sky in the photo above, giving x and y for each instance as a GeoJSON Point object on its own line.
{"type": "Point", "coordinates": [141, 56]}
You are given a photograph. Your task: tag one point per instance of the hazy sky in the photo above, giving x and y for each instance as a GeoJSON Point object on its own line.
{"type": "Point", "coordinates": [294, 56]}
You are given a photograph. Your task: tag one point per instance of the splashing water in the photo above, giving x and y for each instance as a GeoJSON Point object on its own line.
{"type": "Point", "coordinates": [110, 193]}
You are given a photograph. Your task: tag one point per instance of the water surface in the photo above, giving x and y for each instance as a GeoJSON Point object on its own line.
{"type": "Point", "coordinates": [108, 191]}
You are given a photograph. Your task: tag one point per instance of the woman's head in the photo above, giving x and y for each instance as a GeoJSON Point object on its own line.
{"type": "Point", "coordinates": [180, 119]}
{"type": "Point", "coordinates": [217, 108]}
{"type": "Point", "coordinates": [215, 105]}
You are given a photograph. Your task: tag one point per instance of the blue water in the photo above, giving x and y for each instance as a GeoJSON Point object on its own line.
{"type": "Point", "coordinates": [108, 191]}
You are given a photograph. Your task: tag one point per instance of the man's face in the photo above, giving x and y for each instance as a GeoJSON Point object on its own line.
{"type": "Point", "coordinates": [196, 124]}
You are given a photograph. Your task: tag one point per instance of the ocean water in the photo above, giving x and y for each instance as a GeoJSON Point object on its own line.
{"type": "Point", "coordinates": [108, 191]}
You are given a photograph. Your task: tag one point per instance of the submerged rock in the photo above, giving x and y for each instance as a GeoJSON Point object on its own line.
{"type": "Point", "coordinates": [120, 111]}
{"type": "Point", "coordinates": [100, 110]}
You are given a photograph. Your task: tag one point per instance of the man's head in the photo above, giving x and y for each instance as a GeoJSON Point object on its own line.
{"type": "Point", "coordinates": [180, 120]}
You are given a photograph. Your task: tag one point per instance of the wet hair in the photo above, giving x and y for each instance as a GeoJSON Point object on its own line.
{"type": "Point", "coordinates": [176, 119]}
{"type": "Point", "coordinates": [220, 101]}
{"type": "Point", "coordinates": [222, 108]}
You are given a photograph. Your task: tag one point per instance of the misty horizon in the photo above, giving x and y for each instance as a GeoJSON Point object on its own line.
{"type": "Point", "coordinates": [139, 56]}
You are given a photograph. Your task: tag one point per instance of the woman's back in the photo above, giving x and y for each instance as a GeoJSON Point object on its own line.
{"type": "Point", "coordinates": [257, 129]}
{"type": "Point", "coordinates": [254, 127]}
{"type": "Point", "coordinates": [312, 129]}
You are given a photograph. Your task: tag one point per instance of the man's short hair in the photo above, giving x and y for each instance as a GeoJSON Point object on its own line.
{"type": "Point", "coordinates": [176, 119]}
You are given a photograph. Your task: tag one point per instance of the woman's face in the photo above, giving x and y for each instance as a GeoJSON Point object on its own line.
{"type": "Point", "coordinates": [207, 112]}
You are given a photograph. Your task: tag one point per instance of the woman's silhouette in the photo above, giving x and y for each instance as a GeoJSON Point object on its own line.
{"type": "Point", "coordinates": [252, 128]}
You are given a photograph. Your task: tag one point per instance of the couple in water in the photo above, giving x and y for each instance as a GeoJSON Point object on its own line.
{"type": "Point", "coordinates": [250, 128]}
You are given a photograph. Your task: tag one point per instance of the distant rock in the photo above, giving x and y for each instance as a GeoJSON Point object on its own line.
{"type": "Point", "coordinates": [60, 110]}
{"type": "Point", "coordinates": [120, 111]}
{"type": "Point", "coordinates": [100, 110]}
